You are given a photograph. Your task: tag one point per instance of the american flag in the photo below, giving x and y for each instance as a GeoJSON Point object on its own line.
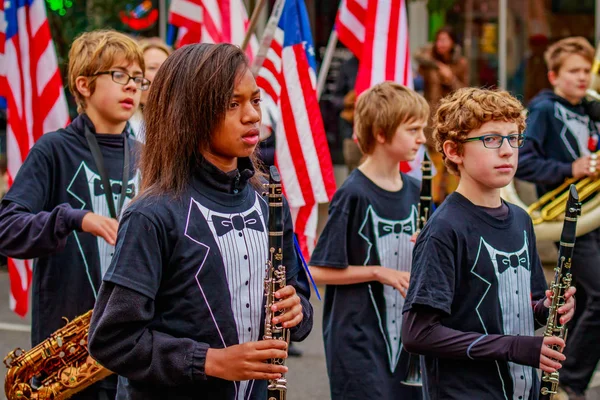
{"type": "Point", "coordinates": [302, 153]}
{"type": "Point", "coordinates": [211, 21]}
{"type": "Point", "coordinates": [31, 83]}
{"type": "Point", "coordinates": [350, 24]}
{"type": "Point", "coordinates": [376, 31]}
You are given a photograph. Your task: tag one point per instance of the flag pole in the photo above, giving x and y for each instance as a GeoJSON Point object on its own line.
{"type": "Point", "coordinates": [268, 34]}
{"type": "Point", "coordinates": [330, 50]}
{"type": "Point", "coordinates": [253, 21]}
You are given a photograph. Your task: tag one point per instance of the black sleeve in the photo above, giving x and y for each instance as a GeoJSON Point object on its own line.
{"type": "Point", "coordinates": [432, 277]}
{"type": "Point", "coordinates": [423, 333]}
{"type": "Point", "coordinates": [120, 340]}
{"type": "Point", "coordinates": [534, 165]}
{"type": "Point", "coordinates": [27, 228]}
{"type": "Point", "coordinates": [25, 235]}
{"type": "Point", "coordinates": [332, 248]}
{"type": "Point", "coordinates": [296, 277]}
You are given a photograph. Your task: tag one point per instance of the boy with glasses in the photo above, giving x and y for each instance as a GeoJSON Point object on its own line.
{"type": "Point", "coordinates": [562, 141]}
{"type": "Point", "coordinates": [63, 206]}
{"type": "Point", "coordinates": [476, 291]}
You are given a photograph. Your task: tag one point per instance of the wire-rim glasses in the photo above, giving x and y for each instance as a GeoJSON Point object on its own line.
{"type": "Point", "coordinates": [495, 141]}
{"type": "Point", "coordinates": [123, 78]}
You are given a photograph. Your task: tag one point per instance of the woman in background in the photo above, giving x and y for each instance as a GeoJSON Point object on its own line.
{"type": "Point", "coordinates": [155, 53]}
{"type": "Point", "coordinates": [444, 70]}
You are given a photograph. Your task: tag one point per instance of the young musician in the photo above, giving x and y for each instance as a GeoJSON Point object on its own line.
{"type": "Point", "coordinates": [59, 210]}
{"type": "Point", "coordinates": [477, 286]}
{"type": "Point", "coordinates": [180, 313]}
{"type": "Point", "coordinates": [364, 252]}
{"type": "Point", "coordinates": [561, 140]}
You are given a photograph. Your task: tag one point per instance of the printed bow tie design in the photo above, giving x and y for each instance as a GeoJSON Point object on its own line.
{"type": "Point", "coordinates": [511, 261]}
{"type": "Point", "coordinates": [385, 228]}
{"type": "Point", "coordinates": [223, 225]}
{"type": "Point", "coordinates": [115, 187]}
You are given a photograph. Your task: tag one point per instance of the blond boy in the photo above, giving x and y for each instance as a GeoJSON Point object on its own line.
{"type": "Point", "coordinates": [364, 252]}
{"type": "Point", "coordinates": [66, 199]}
{"type": "Point", "coordinates": [477, 289]}
{"type": "Point", "coordinates": [561, 142]}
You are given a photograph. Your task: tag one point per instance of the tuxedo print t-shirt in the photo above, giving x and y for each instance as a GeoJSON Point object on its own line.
{"type": "Point", "coordinates": [60, 171]}
{"type": "Point", "coordinates": [484, 275]}
{"type": "Point", "coordinates": [367, 226]}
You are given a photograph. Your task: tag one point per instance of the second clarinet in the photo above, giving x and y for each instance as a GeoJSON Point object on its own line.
{"type": "Point", "coordinates": [275, 279]}
{"type": "Point", "coordinates": [414, 375]}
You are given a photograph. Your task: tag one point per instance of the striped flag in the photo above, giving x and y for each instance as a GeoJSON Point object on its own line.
{"type": "Point", "coordinates": [302, 153]}
{"type": "Point", "coordinates": [350, 24]}
{"type": "Point", "coordinates": [31, 83]}
{"type": "Point", "coordinates": [385, 53]}
{"type": "Point", "coordinates": [376, 31]}
{"type": "Point", "coordinates": [211, 21]}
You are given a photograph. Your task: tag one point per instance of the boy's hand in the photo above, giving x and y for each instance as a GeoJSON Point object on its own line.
{"type": "Point", "coordinates": [391, 277]}
{"type": "Point", "coordinates": [101, 226]}
{"type": "Point", "coordinates": [243, 362]}
{"type": "Point", "coordinates": [568, 309]}
{"type": "Point", "coordinates": [547, 356]}
{"type": "Point", "coordinates": [585, 166]}
{"type": "Point", "coordinates": [290, 302]}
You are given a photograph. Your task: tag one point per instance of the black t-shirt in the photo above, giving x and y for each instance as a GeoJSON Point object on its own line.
{"type": "Point", "coordinates": [200, 257]}
{"type": "Point", "coordinates": [367, 226]}
{"type": "Point", "coordinates": [60, 169]}
{"type": "Point", "coordinates": [482, 273]}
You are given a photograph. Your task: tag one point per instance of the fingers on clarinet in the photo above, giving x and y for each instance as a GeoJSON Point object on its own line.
{"type": "Point", "coordinates": [550, 364]}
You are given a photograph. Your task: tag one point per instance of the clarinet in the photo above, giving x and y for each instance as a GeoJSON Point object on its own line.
{"type": "Point", "coordinates": [425, 199]}
{"type": "Point", "coordinates": [275, 279]}
{"type": "Point", "coordinates": [414, 374]}
{"type": "Point", "coordinates": [560, 284]}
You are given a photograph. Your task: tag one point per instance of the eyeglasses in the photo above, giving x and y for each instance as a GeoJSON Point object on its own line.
{"type": "Point", "coordinates": [494, 141]}
{"type": "Point", "coordinates": [123, 78]}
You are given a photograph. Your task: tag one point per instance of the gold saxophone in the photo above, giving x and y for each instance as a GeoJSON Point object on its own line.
{"type": "Point", "coordinates": [61, 361]}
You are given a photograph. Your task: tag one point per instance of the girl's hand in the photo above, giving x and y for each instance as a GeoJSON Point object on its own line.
{"type": "Point", "coordinates": [242, 362]}
{"type": "Point", "coordinates": [290, 302]}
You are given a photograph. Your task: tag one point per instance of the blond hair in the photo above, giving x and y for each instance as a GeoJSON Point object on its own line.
{"type": "Point", "coordinates": [556, 54]}
{"type": "Point", "coordinates": [97, 51]}
{"type": "Point", "coordinates": [155, 43]}
{"type": "Point", "coordinates": [382, 108]}
{"type": "Point", "coordinates": [468, 109]}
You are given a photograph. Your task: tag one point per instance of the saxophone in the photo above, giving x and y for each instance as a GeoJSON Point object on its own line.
{"type": "Point", "coordinates": [561, 283]}
{"type": "Point", "coordinates": [414, 374]}
{"type": "Point", "coordinates": [275, 279]}
{"type": "Point", "coordinates": [61, 362]}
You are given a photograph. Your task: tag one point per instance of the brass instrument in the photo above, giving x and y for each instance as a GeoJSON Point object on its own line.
{"type": "Point", "coordinates": [561, 283]}
{"type": "Point", "coordinates": [61, 363]}
{"type": "Point", "coordinates": [551, 205]}
{"type": "Point", "coordinates": [275, 279]}
{"type": "Point", "coordinates": [414, 375]}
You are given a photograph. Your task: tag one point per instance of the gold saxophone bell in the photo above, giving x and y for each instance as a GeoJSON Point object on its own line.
{"type": "Point", "coordinates": [62, 361]}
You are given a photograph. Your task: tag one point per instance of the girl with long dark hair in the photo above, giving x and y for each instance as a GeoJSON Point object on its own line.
{"type": "Point", "coordinates": [181, 310]}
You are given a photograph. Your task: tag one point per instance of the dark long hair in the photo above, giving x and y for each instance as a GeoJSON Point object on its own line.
{"type": "Point", "coordinates": [186, 104]}
{"type": "Point", "coordinates": [450, 32]}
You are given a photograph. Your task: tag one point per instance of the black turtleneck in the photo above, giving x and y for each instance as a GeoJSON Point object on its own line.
{"type": "Point", "coordinates": [231, 182]}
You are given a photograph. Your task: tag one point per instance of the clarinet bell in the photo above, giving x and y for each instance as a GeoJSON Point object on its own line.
{"type": "Point", "coordinates": [413, 377]}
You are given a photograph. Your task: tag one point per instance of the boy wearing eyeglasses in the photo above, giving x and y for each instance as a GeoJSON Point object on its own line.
{"type": "Point", "coordinates": [561, 143]}
{"type": "Point", "coordinates": [66, 199]}
{"type": "Point", "coordinates": [476, 291]}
